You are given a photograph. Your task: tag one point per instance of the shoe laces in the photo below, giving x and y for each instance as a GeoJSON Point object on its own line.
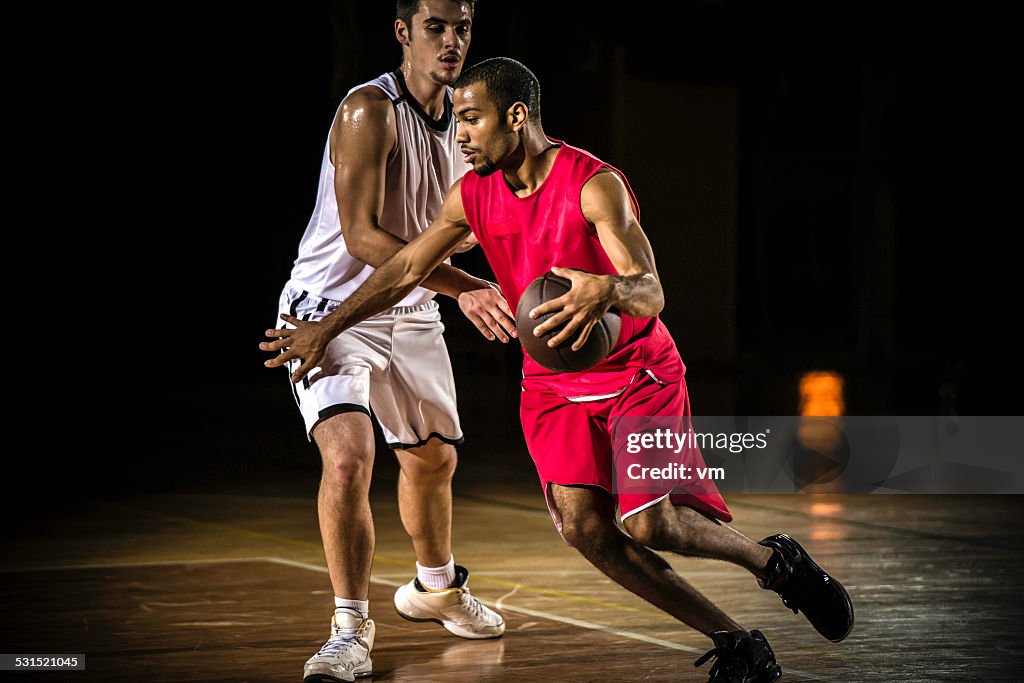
{"type": "Point", "coordinates": [471, 604]}
{"type": "Point", "coordinates": [342, 640]}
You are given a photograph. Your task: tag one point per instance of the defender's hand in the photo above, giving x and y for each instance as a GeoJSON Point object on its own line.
{"type": "Point", "coordinates": [305, 342]}
{"type": "Point", "coordinates": [487, 309]}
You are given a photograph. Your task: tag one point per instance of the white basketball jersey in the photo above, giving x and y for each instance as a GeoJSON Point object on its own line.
{"type": "Point", "coordinates": [421, 168]}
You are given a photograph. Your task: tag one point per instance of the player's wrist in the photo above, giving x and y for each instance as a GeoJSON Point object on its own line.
{"type": "Point", "coordinates": [618, 290]}
{"type": "Point", "coordinates": [469, 283]}
{"type": "Point", "coordinates": [331, 326]}
{"type": "Point", "coordinates": [638, 294]}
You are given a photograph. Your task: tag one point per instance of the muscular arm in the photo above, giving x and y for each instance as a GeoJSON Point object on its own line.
{"type": "Point", "coordinates": [607, 205]}
{"type": "Point", "coordinates": [363, 135]}
{"type": "Point", "coordinates": [388, 284]}
{"type": "Point", "coordinates": [636, 289]}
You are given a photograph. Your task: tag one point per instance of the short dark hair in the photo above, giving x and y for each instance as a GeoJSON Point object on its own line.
{"type": "Point", "coordinates": [404, 9]}
{"type": "Point", "coordinates": [507, 81]}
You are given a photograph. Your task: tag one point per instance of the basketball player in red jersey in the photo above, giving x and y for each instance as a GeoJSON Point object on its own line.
{"type": "Point", "coordinates": [527, 222]}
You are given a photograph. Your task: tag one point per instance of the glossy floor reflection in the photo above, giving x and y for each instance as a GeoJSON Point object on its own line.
{"type": "Point", "coordinates": [203, 587]}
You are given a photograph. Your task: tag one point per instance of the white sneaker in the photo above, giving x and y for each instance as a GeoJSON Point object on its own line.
{"type": "Point", "coordinates": [346, 654]}
{"type": "Point", "coordinates": [454, 608]}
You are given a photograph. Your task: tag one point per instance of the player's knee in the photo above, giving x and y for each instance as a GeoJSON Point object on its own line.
{"type": "Point", "coordinates": [435, 462]}
{"type": "Point", "coordinates": [348, 469]}
{"type": "Point", "coordinates": [647, 527]}
{"type": "Point", "coordinates": [590, 534]}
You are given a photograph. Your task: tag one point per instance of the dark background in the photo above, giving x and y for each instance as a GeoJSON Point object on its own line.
{"type": "Point", "coordinates": [817, 181]}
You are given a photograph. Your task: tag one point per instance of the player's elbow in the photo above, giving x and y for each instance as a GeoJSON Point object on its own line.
{"type": "Point", "coordinates": [652, 305]}
{"type": "Point", "coordinates": [650, 298]}
{"type": "Point", "coordinates": [647, 302]}
{"type": "Point", "coordinates": [360, 246]}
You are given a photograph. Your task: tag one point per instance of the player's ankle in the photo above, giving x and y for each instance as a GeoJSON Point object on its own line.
{"type": "Point", "coordinates": [437, 578]}
{"type": "Point", "coordinates": [360, 606]}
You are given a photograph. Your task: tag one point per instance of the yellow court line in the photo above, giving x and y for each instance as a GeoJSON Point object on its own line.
{"type": "Point", "coordinates": [392, 561]}
{"type": "Point", "coordinates": [574, 598]}
{"type": "Point", "coordinates": [258, 535]}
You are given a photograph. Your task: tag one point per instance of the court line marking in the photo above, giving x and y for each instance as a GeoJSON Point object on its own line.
{"type": "Point", "coordinates": [259, 535]}
{"type": "Point", "coordinates": [263, 536]}
{"type": "Point", "coordinates": [500, 602]}
{"type": "Point", "coordinates": [553, 617]}
{"type": "Point", "coordinates": [378, 579]}
{"type": "Point", "coordinates": [129, 565]}
{"type": "Point", "coordinates": [658, 614]}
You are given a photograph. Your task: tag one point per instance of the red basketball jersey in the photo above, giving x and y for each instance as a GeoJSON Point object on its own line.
{"type": "Point", "coordinates": [524, 237]}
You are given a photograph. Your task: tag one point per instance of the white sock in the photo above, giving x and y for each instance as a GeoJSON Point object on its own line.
{"type": "Point", "coordinates": [361, 606]}
{"type": "Point", "coordinates": [436, 578]}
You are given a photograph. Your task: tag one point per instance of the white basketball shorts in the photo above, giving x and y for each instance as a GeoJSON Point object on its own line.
{"type": "Point", "coordinates": [395, 364]}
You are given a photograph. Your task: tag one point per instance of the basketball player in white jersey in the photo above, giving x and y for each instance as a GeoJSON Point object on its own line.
{"type": "Point", "coordinates": [390, 159]}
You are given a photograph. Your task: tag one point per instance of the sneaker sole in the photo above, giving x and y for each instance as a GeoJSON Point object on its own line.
{"type": "Point", "coordinates": [327, 677]}
{"type": "Point", "coordinates": [814, 565]}
{"type": "Point", "coordinates": [453, 628]}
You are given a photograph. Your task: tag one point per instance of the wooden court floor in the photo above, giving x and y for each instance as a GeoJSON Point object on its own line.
{"type": "Point", "coordinates": [212, 587]}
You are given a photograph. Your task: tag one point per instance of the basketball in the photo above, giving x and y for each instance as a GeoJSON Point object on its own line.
{"type": "Point", "coordinates": [562, 358]}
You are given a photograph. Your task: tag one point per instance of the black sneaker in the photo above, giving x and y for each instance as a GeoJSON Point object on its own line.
{"type": "Point", "coordinates": [807, 588]}
{"type": "Point", "coordinates": [741, 657]}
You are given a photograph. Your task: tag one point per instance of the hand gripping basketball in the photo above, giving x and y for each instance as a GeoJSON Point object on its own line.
{"type": "Point", "coordinates": [581, 297]}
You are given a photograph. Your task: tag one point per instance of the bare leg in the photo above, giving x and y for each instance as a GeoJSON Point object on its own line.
{"type": "Point", "coordinates": [346, 523]}
{"type": "Point", "coordinates": [684, 530]}
{"type": "Point", "coordinates": [588, 524]}
{"type": "Point", "coordinates": [425, 499]}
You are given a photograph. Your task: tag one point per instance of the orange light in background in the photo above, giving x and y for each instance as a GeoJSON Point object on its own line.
{"type": "Point", "coordinates": [831, 532]}
{"type": "Point", "coordinates": [821, 394]}
{"type": "Point", "coordinates": [824, 527]}
{"type": "Point", "coordinates": [825, 509]}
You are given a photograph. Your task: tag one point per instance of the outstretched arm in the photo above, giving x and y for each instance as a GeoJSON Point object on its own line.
{"type": "Point", "coordinates": [636, 289]}
{"type": "Point", "coordinates": [387, 285]}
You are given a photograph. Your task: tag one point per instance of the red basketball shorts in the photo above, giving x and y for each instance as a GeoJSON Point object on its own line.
{"type": "Point", "coordinates": [571, 442]}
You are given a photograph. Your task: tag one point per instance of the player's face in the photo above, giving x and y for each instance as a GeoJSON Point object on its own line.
{"type": "Point", "coordinates": [438, 39]}
{"type": "Point", "coordinates": [485, 134]}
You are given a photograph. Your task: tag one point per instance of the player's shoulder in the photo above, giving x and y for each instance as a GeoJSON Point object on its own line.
{"type": "Point", "coordinates": [606, 196]}
{"type": "Point", "coordinates": [366, 110]}
{"type": "Point", "coordinates": [368, 98]}
{"type": "Point", "coordinates": [578, 154]}
{"type": "Point", "coordinates": [606, 181]}
{"type": "Point", "coordinates": [454, 196]}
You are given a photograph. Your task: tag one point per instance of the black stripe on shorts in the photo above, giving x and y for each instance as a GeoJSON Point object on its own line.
{"type": "Point", "coordinates": [339, 408]}
{"type": "Point", "coordinates": [395, 446]}
{"type": "Point", "coordinates": [295, 304]}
